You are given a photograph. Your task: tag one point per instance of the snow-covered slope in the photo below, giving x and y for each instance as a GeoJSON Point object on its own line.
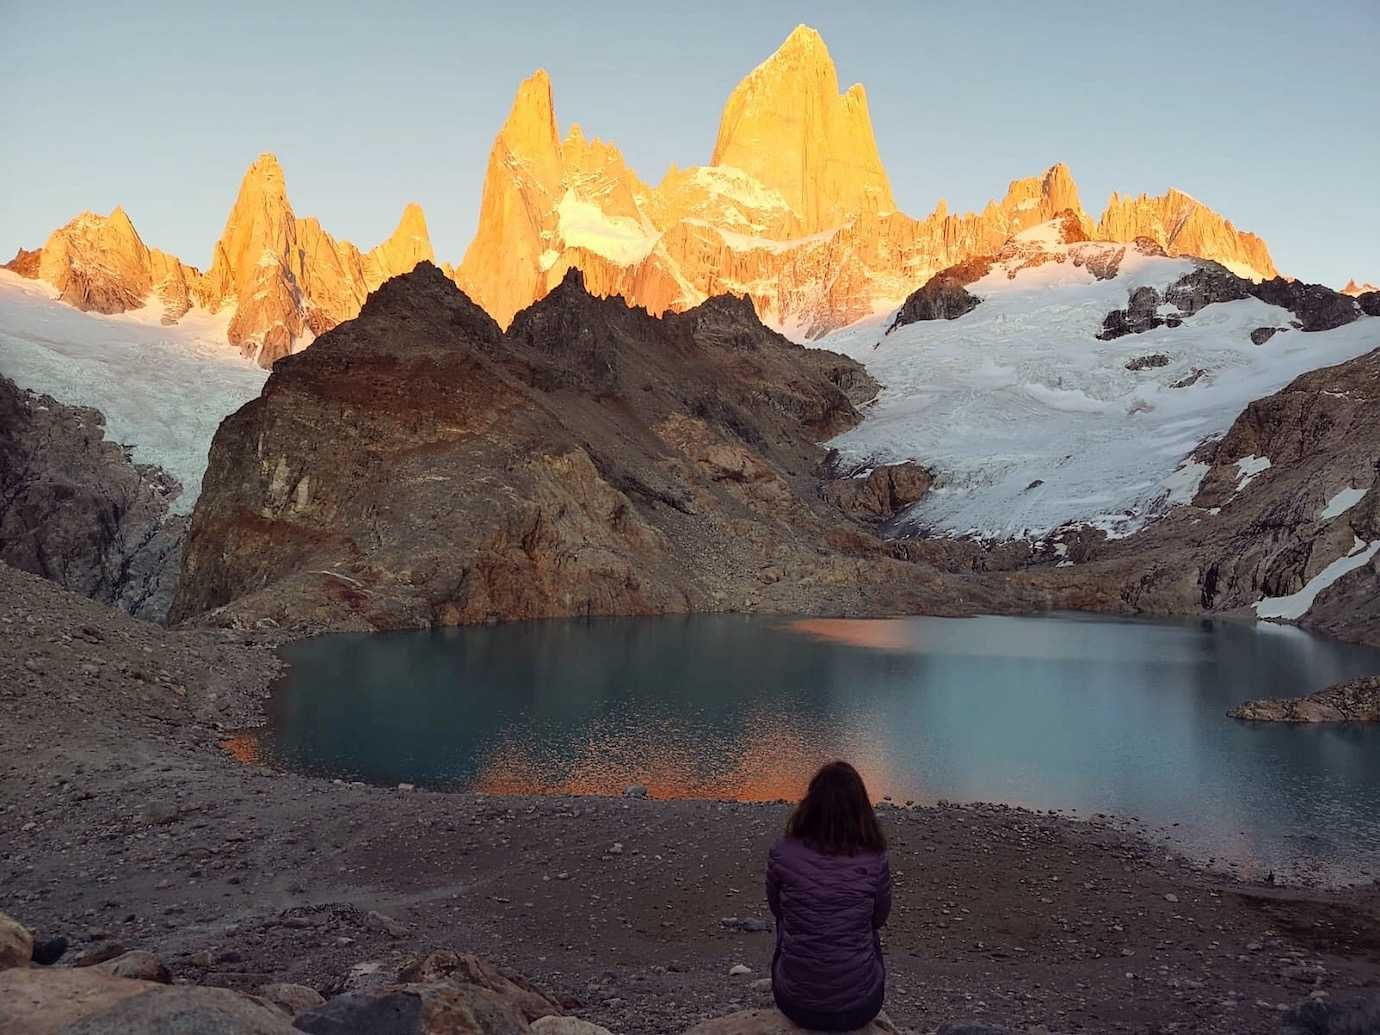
{"type": "Point", "coordinates": [163, 390]}
{"type": "Point", "coordinates": [1031, 422]}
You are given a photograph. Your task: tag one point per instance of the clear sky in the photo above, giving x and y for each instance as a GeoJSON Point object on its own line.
{"type": "Point", "coordinates": [1264, 110]}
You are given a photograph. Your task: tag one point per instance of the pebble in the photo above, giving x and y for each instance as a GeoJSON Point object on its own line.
{"type": "Point", "coordinates": [739, 970]}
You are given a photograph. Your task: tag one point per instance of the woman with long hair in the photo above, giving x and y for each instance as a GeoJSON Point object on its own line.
{"type": "Point", "coordinates": [829, 887]}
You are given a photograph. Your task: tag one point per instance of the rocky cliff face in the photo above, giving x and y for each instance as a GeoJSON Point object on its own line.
{"type": "Point", "coordinates": [787, 126]}
{"type": "Point", "coordinates": [76, 510]}
{"type": "Point", "coordinates": [417, 466]}
{"type": "Point", "coordinates": [286, 279]}
{"type": "Point", "coordinates": [1182, 225]}
{"type": "Point", "coordinates": [794, 211]}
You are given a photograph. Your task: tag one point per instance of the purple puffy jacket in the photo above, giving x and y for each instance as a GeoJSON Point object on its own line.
{"type": "Point", "coordinates": [828, 909]}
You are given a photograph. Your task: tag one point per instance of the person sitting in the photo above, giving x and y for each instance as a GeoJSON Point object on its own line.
{"type": "Point", "coordinates": [829, 887]}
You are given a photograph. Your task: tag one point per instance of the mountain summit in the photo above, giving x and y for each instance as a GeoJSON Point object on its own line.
{"type": "Point", "coordinates": [284, 279]}
{"type": "Point", "coordinates": [788, 126]}
{"type": "Point", "coordinates": [794, 211]}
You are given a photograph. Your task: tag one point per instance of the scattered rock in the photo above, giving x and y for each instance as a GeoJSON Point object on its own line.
{"type": "Point", "coordinates": [739, 970]}
{"type": "Point", "coordinates": [138, 964]}
{"type": "Point", "coordinates": [1190, 379]}
{"type": "Point", "coordinates": [1155, 359]}
{"type": "Point", "coordinates": [100, 954]}
{"type": "Point", "coordinates": [292, 999]}
{"type": "Point", "coordinates": [749, 924]}
{"type": "Point", "coordinates": [379, 922]}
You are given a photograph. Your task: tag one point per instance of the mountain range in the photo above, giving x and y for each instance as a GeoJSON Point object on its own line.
{"type": "Point", "coordinates": [794, 211]}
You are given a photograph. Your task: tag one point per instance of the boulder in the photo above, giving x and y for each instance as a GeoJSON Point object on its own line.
{"type": "Point", "coordinates": [37, 1001]}
{"type": "Point", "coordinates": [567, 1026]}
{"type": "Point", "coordinates": [1261, 335]}
{"type": "Point", "coordinates": [467, 968]}
{"type": "Point", "coordinates": [91, 1002]}
{"type": "Point", "coordinates": [774, 1022]}
{"type": "Point", "coordinates": [16, 943]}
{"type": "Point", "coordinates": [175, 1009]}
{"type": "Point", "coordinates": [138, 964]}
{"type": "Point", "coordinates": [441, 1008]}
{"type": "Point", "coordinates": [1321, 1017]}
{"type": "Point", "coordinates": [291, 999]}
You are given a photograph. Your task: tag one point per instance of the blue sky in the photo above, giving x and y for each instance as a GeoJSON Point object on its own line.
{"type": "Point", "coordinates": [1263, 110]}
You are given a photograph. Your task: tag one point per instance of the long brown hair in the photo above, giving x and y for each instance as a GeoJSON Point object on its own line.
{"type": "Point", "coordinates": [836, 814]}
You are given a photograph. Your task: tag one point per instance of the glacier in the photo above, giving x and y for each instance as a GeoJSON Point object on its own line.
{"type": "Point", "coordinates": [1031, 423]}
{"type": "Point", "coordinates": [163, 390]}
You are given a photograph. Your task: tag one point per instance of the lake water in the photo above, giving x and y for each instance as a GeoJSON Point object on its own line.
{"type": "Point", "coordinates": [1067, 712]}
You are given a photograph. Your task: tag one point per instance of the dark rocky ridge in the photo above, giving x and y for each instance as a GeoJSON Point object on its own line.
{"type": "Point", "coordinates": [416, 466]}
{"type": "Point", "coordinates": [1316, 307]}
{"type": "Point", "coordinates": [76, 509]}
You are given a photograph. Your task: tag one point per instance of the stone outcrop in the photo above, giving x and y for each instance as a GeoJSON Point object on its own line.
{"type": "Point", "coordinates": [882, 493]}
{"type": "Point", "coordinates": [1315, 306]}
{"type": "Point", "coordinates": [1354, 701]}
{"type": "Point", "coordinates": [1183, 225]}
{"type": "Point", "coordinates": [286, 279]}
{"type": "Point", "coordinates": [417, 466]}
{"type": "Point", "coordinates": [26, 263]}
{"type": "Point", "coordinates": [75, 509]}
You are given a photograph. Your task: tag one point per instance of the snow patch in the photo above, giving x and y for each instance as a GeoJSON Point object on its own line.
{"type": "Point", "coordinates": [1248, 467]}
{"type": "Point", "coordinates": [1341, 503]}
{"type": "Point", "coordinates": [163, 390]}
{"type": "Point", "coordinates": [583, 224]}
{"type": "Point", "coordinates": [1296, 605]}
{"type": "Point", "coordinates": [1183, 484]}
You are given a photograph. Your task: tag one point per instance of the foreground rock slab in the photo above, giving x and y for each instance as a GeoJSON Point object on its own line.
{"type": "Point", "coordinates": [774, 1022]}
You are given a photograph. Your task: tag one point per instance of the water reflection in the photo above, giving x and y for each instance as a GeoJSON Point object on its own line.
{"type": "Point", "coordinates": [1068, 712]}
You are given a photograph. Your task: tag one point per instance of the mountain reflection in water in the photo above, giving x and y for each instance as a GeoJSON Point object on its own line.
{"type": "Point", "coordinates": [1062, 712]}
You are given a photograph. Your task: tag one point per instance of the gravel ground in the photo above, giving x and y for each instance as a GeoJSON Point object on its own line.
{"type": "Point", "coordinates": [123, 820]}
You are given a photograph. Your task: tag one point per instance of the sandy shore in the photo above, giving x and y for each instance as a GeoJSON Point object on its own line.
{"type": "Point", "coordinates": [121, 819]}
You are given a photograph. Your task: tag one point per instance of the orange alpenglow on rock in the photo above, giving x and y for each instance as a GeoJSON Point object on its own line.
{"type": "Point", "coordinates": [286, 279]}
{"type": "Point", "coordinates": [788, 126]}
{"type": "Point", "coordinates": [794, 212]}
{"type": "Point", "coordinates": [1182, 225]}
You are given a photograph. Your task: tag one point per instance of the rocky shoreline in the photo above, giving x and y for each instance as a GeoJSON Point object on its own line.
{"type": "Point", "coordinates": [1357, 700]}
{"type": "Point", "coordinates": [127, 824]}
